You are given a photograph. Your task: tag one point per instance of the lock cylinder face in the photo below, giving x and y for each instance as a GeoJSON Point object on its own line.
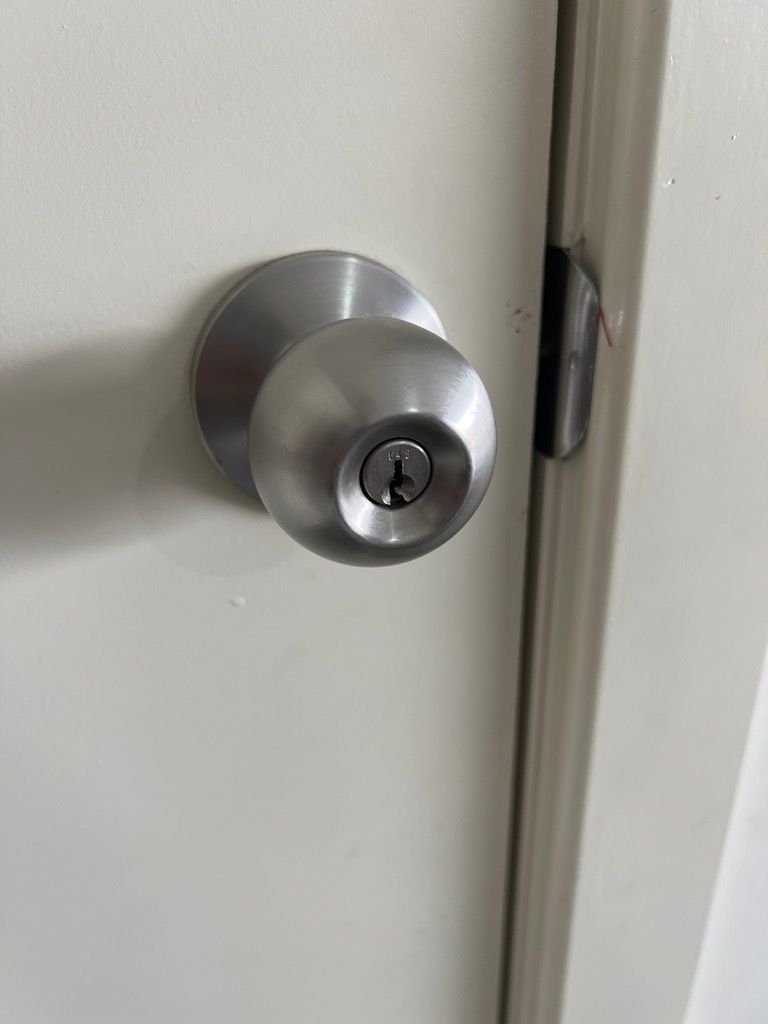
{"type": "Point", "coordinates": [396, 473]}
{"type": "Point", "coordinates": [369, 438]}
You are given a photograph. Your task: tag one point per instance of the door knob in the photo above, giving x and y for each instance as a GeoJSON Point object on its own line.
{"type": "Point", "coordinates": [323, 384]}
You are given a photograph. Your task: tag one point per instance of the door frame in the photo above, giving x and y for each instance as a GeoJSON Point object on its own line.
{"type": "Point", "coordinates": [582, 804]}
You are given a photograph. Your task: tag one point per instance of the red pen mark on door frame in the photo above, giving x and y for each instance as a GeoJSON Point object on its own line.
{"type": "Point", "coordinates": [604, 325]}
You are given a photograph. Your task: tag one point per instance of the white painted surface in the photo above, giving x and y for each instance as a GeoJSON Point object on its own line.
{"type": "Point", "coordinates": [239, 783]}
{"type": "Point", "coordinates": [731, 983]}
{"type": "Point", "coordinates": [652, 595]}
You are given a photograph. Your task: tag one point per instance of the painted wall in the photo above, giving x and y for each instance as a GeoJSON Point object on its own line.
{"type": "Point", "coordinates": [731, 982]}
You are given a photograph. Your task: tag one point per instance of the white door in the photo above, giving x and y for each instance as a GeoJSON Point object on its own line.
{"type": "Point", "coordinates": [240, 783]}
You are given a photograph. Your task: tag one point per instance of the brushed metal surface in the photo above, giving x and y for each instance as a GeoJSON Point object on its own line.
{"type": "Point", "coordinates": [275, 306]}
{"type": "Point", "coordinates": [309, 366]}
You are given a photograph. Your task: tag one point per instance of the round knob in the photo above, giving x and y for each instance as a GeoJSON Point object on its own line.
{"type": "Point", "coordinates": [324, 385]}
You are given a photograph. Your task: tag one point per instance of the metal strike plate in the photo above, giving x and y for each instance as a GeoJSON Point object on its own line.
{"type": "Point", "coordinates": [569, 327]}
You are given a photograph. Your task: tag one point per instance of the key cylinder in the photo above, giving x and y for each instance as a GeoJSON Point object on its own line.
{"type": "Point", "coordinates": [396, 473]}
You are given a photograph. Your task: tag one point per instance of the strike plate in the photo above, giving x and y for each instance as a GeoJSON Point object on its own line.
{"type": "Point", "coordinates": [569, 326]}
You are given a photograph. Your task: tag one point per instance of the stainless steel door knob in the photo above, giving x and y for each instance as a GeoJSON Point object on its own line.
{"type": "Point", "coordinates": [323, 384]}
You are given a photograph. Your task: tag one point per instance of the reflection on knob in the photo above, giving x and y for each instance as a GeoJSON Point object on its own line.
{"type": "Point", "coordinates": [324, 385]}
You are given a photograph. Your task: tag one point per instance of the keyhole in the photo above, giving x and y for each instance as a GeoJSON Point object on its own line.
{"type": "Point", "coordinates": [400, 486]}
{"type": "Point", "coordinates": [395, 497]}
{"type": "Point", "coordinates": [396, 473]}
